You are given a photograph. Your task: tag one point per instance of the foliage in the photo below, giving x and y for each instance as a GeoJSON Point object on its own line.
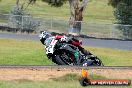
{"type": "Point", "coordinates": [126, 30]}
{"type": "Point", "coordinates": [114, 3]}
{"type": "Point", "coordinates": [19, 19]}
{"type": "Point", "coordinates": [123, 14]}
{"type": "Point", "coordinates": [30, 23]}
{"type": "Point", "coordinates": [55, 3]}
{"type": "Point", "coordinates": [23, 4]}
{"type": "Point", "coordinates": [15, 17]}
{"type": "Point", "coordinates": [123, 11]}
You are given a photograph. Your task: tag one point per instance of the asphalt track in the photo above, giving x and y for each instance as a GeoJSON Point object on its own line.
{"type": "Point", "coordinates": [115, 44]}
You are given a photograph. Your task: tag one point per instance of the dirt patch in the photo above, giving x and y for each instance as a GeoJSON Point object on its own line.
{"type": "Point", "coordinates": [113, 73]}
{"type": "Point", "coordinates": [32, 74]}
{"type": "Point", "coordinates": [46, 74]}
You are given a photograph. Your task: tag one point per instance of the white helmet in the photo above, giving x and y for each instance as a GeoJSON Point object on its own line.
{"type": "Point", "coordinates": [44, 35]}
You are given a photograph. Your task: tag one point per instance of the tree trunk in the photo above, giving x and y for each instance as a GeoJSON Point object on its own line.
{"type": "Point", "coordinates": [75, 21]}
{"type": "Point", "coordinates": [75, 26]}
{"type": "Point", "coordinates": [75, 29]}
{"type": "Point", "coordinates": [17, 2]}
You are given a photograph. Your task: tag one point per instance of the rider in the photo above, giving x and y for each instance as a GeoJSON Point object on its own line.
{"type": "Point", "coordinates": [71, 40]}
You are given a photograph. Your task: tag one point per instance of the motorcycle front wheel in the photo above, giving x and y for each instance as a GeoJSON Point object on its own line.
{"type": "Point", "coordinates": [97, 62]}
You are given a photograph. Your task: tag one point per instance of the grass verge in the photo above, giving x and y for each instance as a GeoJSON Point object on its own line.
{"type": "Point", "coordinates": [15, 52]}
{"type": "Point", "coordinates": [24, 52]}
{"type": "Point", "coordinates": [112, 57]}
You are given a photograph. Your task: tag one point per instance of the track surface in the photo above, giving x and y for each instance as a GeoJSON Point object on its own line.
{"type": "Point", "coordinates": [41, 73]}
{"type": "Point", "coordinates": [116, 44]}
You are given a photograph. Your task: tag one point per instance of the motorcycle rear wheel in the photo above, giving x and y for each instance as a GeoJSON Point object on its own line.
{"type": "Point", "coordinates": [59, 61]}
{"type": "Point", "coordinates": [64, 58]}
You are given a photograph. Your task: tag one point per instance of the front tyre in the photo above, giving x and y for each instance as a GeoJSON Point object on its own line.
{"type": "Point", "coordinates": [97, 62]}
{"type": "Point", "coordinates": [93, 61]}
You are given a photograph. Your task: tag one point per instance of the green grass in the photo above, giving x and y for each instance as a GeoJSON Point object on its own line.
{"type": "Point", "coordinates": [23, 52]}
{"type": "Point", "coordinates": [67, 81]}
{"type": "Point", "coordinates": [13, 52]}
{"type": "Point", "coordinates": [50, 84]}
{"type": "Point", "coordinates": [113, 57]}
{"type": "Point", "coordinates": [96, 11]}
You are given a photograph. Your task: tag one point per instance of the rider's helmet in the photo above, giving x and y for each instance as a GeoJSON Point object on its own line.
{"type": "Point", "coordinates": [44, 35]}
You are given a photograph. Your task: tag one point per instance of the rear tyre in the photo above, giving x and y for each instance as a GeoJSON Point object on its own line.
{"type": "Point", "coordinates": [64, 58]}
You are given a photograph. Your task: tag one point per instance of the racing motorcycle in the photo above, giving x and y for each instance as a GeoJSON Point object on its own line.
{"type": "Point", "coordinates": [64, 53]}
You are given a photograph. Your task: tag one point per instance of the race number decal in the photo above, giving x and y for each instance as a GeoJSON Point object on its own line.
{"type": "Point", "coordinates": [50, 48]}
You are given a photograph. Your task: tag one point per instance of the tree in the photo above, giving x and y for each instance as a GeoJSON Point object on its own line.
{"type": "Point", "coordinates": [123, 11]}
{"type": "Point", "coordinates": [123, 15]}
{"type": "Point", "coordinates": [21, 20]}
{"type": "Point", "coordinates": [55, 3]}
{"type": "Point", "coordinates": [23, 4]}
{"type": "Point", "coordinates": [114, 3]}
{"type": "Point", "coordinates": [77, 8]}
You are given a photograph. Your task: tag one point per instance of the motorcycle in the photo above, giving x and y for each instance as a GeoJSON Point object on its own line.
{"type": "Point", "coordinates": [63, 53]}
